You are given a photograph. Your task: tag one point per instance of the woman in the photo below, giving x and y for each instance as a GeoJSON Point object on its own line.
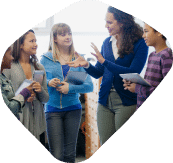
{"type": "Point", "coordinates": [25, 62]}
{"type": "Point", "coordinates": [14, 103]}
{"type": "Point", "coordinates": [63, 110]}
{"type": "Point", "coordinates": [116, 105]}
{"type": "Point", "coordinates": [159, 63]}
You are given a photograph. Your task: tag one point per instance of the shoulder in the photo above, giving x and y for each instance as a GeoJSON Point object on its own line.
{"type": "Point", "coordinates": [139, 42]}
{"type": "Point", "coordinates": [47, 55]}
{"type": "Point", "coordinates": [166, 54]}
{"type": "Point", "coordinates": [40, 66]}
{"type": "Point", "coordinates": [107, 40]}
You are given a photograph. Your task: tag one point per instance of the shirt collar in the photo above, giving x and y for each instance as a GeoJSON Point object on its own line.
{"type": "Point", "coordinates": [112, 39]}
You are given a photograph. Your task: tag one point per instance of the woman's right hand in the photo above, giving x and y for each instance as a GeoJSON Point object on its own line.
{"type": "Point", "coordinates": [30, 88]}
{"type": "Point", "coordinates": [54, 82]}
{"type": "Point", "coordinates": [79, 62]}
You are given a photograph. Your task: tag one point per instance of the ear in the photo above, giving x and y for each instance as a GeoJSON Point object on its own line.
{"type": "Point", "coordinates": [159, 34]}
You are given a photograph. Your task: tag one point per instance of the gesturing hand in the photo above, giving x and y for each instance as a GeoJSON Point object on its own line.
{"type": "Point", "coordinates": [79, 62]}
{"type": "Point", "coordinates": [64, 88]}
{"type": "Point", "coordinates": [54, 82]}
{"type": "Point", "coordinates": [97, 54]}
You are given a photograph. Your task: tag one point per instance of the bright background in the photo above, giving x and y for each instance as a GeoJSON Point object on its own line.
{"type": "Point", "coordinates": [87, 22]}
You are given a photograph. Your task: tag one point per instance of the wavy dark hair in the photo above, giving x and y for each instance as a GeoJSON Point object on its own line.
{"type": "Point", "coordinates": [131, 32]}
{"type": "Point", "coordinates": [17, 51]}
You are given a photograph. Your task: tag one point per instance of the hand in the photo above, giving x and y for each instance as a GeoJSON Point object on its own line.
{"type": "Point", "coordinates": [97, 54]}
{"type": "Point", "coordinates": [54, 82]}
{"type": "Point", "coordinates": [30, 87]}
{"type": "Point", "coordinates": [31, 98]}
{"type": "Point", "coordinates": [129, 86]}
{"type": "Point", "coordinates": [79, 62]}
{"type": "Point", "coordinates": [37, 87]}
{"type": "Point", "coordinates": [64, 88]}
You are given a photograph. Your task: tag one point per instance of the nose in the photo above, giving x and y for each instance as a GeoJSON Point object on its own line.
{"type": "Point", "coordinates": [143, 35]}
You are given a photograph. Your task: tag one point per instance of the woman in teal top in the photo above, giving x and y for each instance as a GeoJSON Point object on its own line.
{"type": "Point", "coordinates": [63, 110]}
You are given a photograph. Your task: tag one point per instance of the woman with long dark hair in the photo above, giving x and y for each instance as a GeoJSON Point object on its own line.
{"type": "Point", "coordinates": [25, 62]}
{"type": "Point", "coordinates": [123, 52]}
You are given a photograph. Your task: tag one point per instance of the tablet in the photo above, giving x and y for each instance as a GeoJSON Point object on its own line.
{"type": "Point", "coordinates": [135, 78]}
{"type": "Point", "coordinates": [75, 77]}
{"type": "Point", "coordinates": [25, 84]}
{"type": "Point", "coordinates": [38, 76]}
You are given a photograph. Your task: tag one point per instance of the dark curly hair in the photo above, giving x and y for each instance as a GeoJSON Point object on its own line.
{"type": "Point", "coordinates": [16, 50]}
{"type": "Point", "coordinates": [130, 30]}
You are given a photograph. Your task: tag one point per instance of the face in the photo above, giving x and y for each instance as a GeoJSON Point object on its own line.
{"type": "Point", "coordinates": [7, 59]}
{"type": "Point", "coordinates": [150, 36]}
{"type": "Point", "coordinates": [112, 25]}
{"type": "Point", "coordinates": [64, 39]}
{"type": "Point", "coordinates": [29, 46]}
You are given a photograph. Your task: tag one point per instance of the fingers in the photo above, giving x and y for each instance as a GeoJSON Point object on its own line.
{"type": "Point", "coordinates": [76, 54]}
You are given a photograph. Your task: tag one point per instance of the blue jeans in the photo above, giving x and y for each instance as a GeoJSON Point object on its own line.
{"type": "Point", "coordinates": [62, 132]}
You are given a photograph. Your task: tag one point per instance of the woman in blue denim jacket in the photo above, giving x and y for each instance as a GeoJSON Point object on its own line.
{"type": "Point", "coordinates": [63, 110]}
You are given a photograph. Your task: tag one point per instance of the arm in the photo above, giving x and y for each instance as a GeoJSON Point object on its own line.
{"type": "Point", "coordinates": [86, 87]}
{"type": "Point", "coordinates": [43, 95]}
{"type": "Point", "coordinates": [136, 65]}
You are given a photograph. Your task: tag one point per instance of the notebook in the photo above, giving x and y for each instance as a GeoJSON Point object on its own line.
{"type": "Point", "coordinates": [135, 78]}
{"type": "Point", "coordinates": [75, 77]}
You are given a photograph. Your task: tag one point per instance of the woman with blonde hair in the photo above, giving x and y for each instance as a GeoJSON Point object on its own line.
{"type": "Point", "coordinates": [23, 66]}
{"type": "Point", "coordinates": [63, 110]}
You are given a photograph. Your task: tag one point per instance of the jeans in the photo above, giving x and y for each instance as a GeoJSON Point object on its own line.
{"type": "Point", "coordinates": [62, 132]}
{"type": "Point", "coordinates": [111, 117]}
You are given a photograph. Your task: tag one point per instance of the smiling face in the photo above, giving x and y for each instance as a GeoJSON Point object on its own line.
{"type": "Point", "coordinates": [29, 45]}
{"type": "Point", "coordinates": [7, 59]}
{"type": "Point", "coordinates": [64, 39]}
{"type": "Point", "coordinates": [150, 36]}
{"type": "Point", "coordinates": [112, 25]}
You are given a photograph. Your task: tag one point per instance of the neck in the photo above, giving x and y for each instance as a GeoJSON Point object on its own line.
{"type": "Point", "coordinates": [24, 58]}
{"type": "Point", "coordinates": [160, 46]}
{"type": "Point", "coordinates": [64, 51]}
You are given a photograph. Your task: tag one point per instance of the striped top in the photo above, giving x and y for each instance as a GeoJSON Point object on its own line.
{"type": "Point", "coordinates": [158, 66]}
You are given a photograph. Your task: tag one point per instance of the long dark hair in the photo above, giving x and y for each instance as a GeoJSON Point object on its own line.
{"type": "Point", "coordinates": [17, 51]}
{"type": "Point", "coordinates": [131, 32]}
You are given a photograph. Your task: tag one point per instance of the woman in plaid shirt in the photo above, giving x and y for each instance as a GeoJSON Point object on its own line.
{"type": "Point", "coordinates": [159, 64]}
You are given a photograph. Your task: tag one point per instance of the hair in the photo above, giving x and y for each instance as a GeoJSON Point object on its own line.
{"type": "Point", "coordinates": [162, 34]}
{"type": "Point", "coordinates": [131, 32]}
{"type": "Point", "coordinates": [16, 52]}
{"type": "Point", "coordinates": [58, 29]}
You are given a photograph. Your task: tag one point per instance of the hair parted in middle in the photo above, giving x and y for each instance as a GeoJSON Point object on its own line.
{"type": "Point", "coordinates": [131, 32]}
{"type": "Point", "coordinates": [16, 50]}
{"type": "Point", "coordinates": [58, 29]}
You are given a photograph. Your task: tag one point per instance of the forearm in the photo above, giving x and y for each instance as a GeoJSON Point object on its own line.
{"type": "Point", "coordinates": [95, 71]}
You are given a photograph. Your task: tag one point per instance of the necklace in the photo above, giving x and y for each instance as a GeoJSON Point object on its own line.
{"type": "Point", "coordinates": [64, 58]}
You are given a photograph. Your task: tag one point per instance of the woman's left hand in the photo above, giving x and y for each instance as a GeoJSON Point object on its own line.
{"type": "Point", "coordinates": [97, 54]}
{"type": "Point", "coordinates": [129, 86]}
{"type": "Point", "coordinates": [64, 88]}
{"type": "Point", "coordinates": [37, 87]}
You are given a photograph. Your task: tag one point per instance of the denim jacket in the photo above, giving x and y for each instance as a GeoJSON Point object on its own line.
{"type": "Point", "coordinates": [13, 102]}
{"type": "Point", "coordinates": [54, 70]}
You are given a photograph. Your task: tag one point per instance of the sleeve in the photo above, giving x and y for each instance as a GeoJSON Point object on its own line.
{"type": "Point", "coordinates": [137, 64]}
{"type": "Point", "coordinates": [86, 87]}
{"type": "Point", "coordinates": [7, 73]}
{"type": "Point", "coordinates": [15, 104]}
{"type": "Point", "coordinates": [48, 74]}
{"type": "Point", "coordinates": [43, 96]}
{"type": "Point", "coordinates": [166, 63]}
